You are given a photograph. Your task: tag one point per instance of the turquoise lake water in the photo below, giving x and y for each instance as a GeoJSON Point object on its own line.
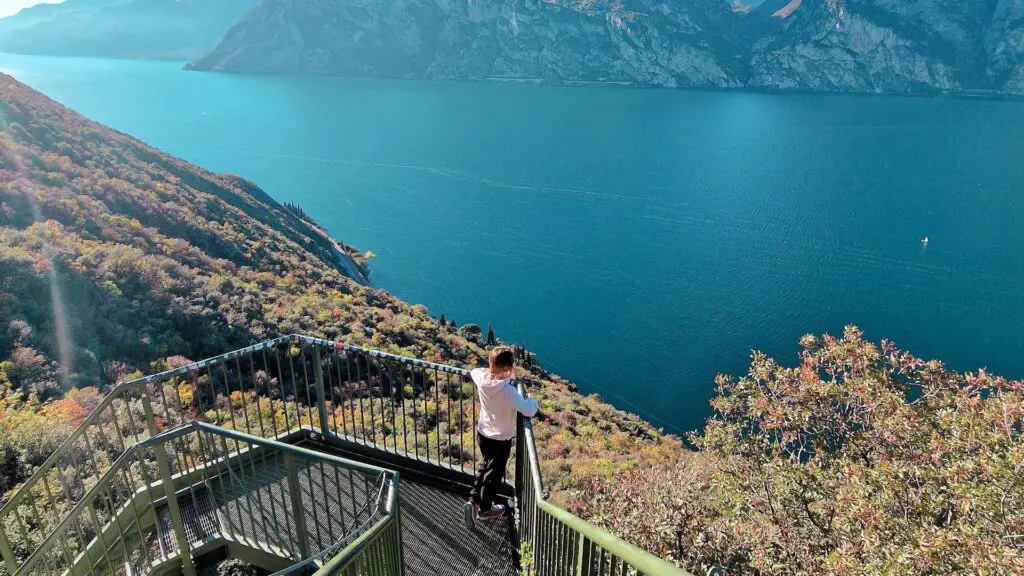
{"type": "Point", "coordinates": [640, 241]}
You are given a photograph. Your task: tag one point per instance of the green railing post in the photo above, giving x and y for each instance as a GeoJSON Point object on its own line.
{"type": "Point", "coordinates": [398, 527]}
{"type": "Point", "coordinates": [167, 480]}
{"type": "Point", "coordinates": [321, 396]}
{"type": "Point", "coordinates": [295, 493]}
{"type": "Point", "coordinates": [583, 560]}
{"type": "Point", "coordinates": [5, 549]}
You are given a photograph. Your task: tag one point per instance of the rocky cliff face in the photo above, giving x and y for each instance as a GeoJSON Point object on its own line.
{"type": "Point", "coordinates": [874, 46]}
{"type": "Point", "coordinates": [1004, 44]}
{"type": "Point", "coordinates": [902, 46]}
{"type": "Point", "coordinates": [643, 41]}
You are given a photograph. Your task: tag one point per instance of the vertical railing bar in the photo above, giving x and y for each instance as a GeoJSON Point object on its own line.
{"type": "Point", "coordinates": [53, 508]}
{"type": "Point", "coordinates": [30, 497]}
{"type": "Point", "coordinates": [252, 448]}
{"type": "Point", "coordinates": [347, 392]}
{"type": "Point", "coordinates": [135, 509]}
{"type": "Point", "coordinates": [472, 400]}
{"type": "Point", "coordinates": [415, 420]}
{"type": "Point", "coordinates": [448, 408]}
{"type": "Point", "coordinates": [241, 391]}
{"type": "Point", "coordinates": [211, 443]}
{"type": "Point", "coordinates": [336, 490]}
{"type": "Point", "coordinates": [83, 543]}
{"type": "Point", "coordinates": [116, 516]}
{"type": "Point", "coordinates": [569, 551]}
{"type": "Point", "coordinates": [581, 542]}
{"type": "Point", "coordinates": [394, 405]}
{"type": "Point", "coordinates": [167, 420]}
{"type": "Point", "coordinates": [280, 385]}
{"type": "Point", "coordinates": [305, 382]}
{"type": "Point", "coordinates": [223, 368]}
{"type": "Point", "coordinates": [131, 420]}
{"type": "Point", "coordinates": [341, 505]}
{"type": "Point", "coordinates": [462, 427]}
{"type": "Point", "coordinates": [270, 492]}
{"type": "Point", "coordinates": [76, 475]}
{"type": "Point", "coordinates": [255, 394]}
{"type": "Point", "coordinates": [295, 390]}
{"type": "Point", "coordinates": [401, 398]}
{"type": "Point", "coordinates": [241, 479]}
{"type": "Point", "coordinates": [316, 520]}
{"type": "Point", "coordinates": [284, 507]}
{"type": "Point", "coordinates": [321, 401]}
{"type": "Point", "coordinates": [561, 531]}
{"type": "Point", "coordinates": [206, 440]}
{"type": "Point", "coordinates": [101, 540]}
{"type": "Point", "coordinates": [149, 491]}
{"type": "Point", "coordinates": [373, 418]}
{"type": "Point", "coordinates": [311, 475]}
{"type": "Point", "coordinates": [332, 362]}
{"type": "Point", "coordinates": [163, 465]}
{"type": "Point", "coordinates": [437, 419]}
{"type": "Point", "coordinates": [21, 526]}
{"type": "Point", "coordinates": [542, 544]}
{"type": "Point", "coordinates": [295, 493]}
{"type": "Point", "coordinates": [270, 392]}
{"type": "Point", "coordinates": [186, 473]}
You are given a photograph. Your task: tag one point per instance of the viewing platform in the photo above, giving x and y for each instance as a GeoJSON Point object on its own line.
{"type": "Point", "coordinates": [298, 456]}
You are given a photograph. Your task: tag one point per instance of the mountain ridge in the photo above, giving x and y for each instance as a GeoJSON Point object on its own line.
{"type": "Point", "coordinates": [148, 29]}
{"type": "Point", "coordinates": [871, 46]}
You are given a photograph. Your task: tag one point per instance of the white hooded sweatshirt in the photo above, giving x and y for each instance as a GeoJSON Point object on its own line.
{"type": "Point", "coordinates": [499, 403]}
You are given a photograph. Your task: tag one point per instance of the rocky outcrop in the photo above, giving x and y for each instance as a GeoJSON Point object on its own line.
{"type": "Point", "coordinates": [874, 46]}
{"type": "Point", "coordinates": [1004, 44]}
{"type": "Point", "coordinates": [645, 42]}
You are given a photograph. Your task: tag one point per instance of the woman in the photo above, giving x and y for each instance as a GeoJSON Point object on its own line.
{"type": "Point", "coordinates": [500, 402]}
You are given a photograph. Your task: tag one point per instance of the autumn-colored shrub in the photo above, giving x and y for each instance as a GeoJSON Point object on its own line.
{"type": "Point", "coordinates": [862, 459]}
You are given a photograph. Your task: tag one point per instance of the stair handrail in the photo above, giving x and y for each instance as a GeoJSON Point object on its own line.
{"type": "Point", "coordinates": [641, 560]}
{"type": "Point", "coordinates": [50, 541]}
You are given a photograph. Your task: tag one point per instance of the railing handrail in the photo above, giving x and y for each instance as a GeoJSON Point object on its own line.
{"type": "Point", "coordinates": [121, 387]}
{"type": "Point", "coordinates": [531, 452]}
{"type": "Point", "coordinates": [641, 560]}
{"type": "Point", "coordinates": [183, 430]}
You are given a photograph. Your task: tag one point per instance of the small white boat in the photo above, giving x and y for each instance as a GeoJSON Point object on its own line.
{"type": "Point", "coordinates": [203, 115]}
{"type": "Point", "coordinates": [924, 242]}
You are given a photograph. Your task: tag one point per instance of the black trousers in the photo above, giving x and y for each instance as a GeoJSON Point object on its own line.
{"type": "Point", "coordinates": [491, 471]}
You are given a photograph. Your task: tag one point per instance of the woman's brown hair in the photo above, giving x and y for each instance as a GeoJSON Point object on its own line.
{"type": "Point", "coordinates": [501, 362]}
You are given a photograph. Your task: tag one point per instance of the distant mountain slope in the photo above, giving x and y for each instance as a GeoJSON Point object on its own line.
{"type": "Point", "coordinates": [122, 28]}
{"type": "Point", "coordinates": [874, 46]}
{"type": "Point", "coordinates": [640, 41]}
{"type": "Point", "coordinates": [923, 46]}
{"type": "Point", "coordinates": [1004, 44]}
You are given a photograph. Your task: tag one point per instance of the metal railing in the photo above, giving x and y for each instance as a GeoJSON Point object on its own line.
{"type": "Point", "coordinates": [408, 407]}
{"type": "Point", "coordinates": [133, 485]}
{"type": "Point", "coordinates": [150, 509]}
{"type": "Point", "coordinates": [553, 542]}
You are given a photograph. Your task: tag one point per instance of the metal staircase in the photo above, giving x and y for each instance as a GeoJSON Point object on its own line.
{"type": "Point", "coordinates": [297, 455]}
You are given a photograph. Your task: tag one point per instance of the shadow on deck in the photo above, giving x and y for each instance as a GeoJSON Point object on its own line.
{"type": "Point", "coordinates": [435, 539]}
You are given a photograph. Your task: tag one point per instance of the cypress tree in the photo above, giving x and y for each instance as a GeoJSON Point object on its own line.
{"type": "Point", "coordinates": [490, 335]}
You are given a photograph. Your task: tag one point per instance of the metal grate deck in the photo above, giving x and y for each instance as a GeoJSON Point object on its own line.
{"type": "Point", "coordinates": [435, 540]}
{"type": "Point", "coordinates": [198, 513]}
